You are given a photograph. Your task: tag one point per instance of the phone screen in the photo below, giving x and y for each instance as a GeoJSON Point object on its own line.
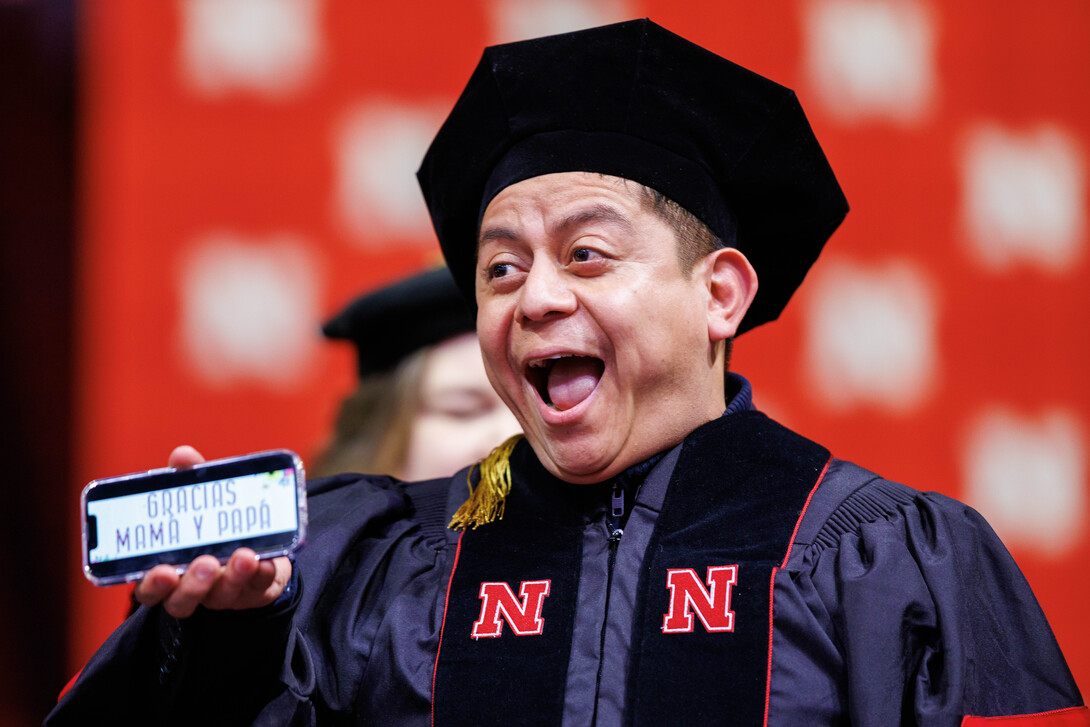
{"type": "Point", "coordinates": [135, 522]}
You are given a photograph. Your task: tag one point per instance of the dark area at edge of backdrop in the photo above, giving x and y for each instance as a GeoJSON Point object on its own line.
{"type": "Point", "coordinates": [38, 105]}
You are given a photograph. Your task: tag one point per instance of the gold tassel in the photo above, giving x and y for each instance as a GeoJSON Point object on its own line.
{"type": "Point", "coordinates": [485, 503]}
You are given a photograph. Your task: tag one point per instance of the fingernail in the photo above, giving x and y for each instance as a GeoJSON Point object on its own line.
{"type": "Point", "coordinates": [204, 571]}
{"type": "Point", "coordinates": [239, 565]}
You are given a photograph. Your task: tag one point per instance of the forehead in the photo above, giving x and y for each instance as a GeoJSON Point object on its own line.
{"type": "Point", "coordinates": [454, 363]}
{"type": "Point", "coordinates": [556, 197]}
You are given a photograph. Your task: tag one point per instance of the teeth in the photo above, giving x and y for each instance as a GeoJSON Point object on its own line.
{"type": "Point", "coordinates": [543, 362]}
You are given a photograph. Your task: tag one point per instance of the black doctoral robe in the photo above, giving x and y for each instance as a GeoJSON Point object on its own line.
{"type": "Point", "coordinates": [745, 577]}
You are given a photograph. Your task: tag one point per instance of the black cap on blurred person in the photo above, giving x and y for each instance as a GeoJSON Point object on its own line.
{"type": "Point", "coordinates": [634, 100]}
{"type": "Point", "coordinates": [392, 322]}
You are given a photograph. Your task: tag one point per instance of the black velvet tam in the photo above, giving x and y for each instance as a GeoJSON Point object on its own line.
{"type": "Point", "coordinates": [634, 100]}
{"type": "Point", "coordinates": [390, 323]}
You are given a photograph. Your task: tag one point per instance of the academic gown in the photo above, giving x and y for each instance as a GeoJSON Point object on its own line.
{"type": "Point", "coordinates": [744, 577]}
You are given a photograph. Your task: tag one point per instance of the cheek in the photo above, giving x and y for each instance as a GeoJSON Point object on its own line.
{"type": "Point", "coordinates": [492, 334]}
{"type": "Point", "coordinates": [442, 445]}
{"type": "Point", "coordinates": [502, 381]}
{"type": "Point", "coordinates": [436, 435]}
{"type": "Point", "coordinates": [654, 343]}
{"type": "Point", "coordinates": [438, 448]}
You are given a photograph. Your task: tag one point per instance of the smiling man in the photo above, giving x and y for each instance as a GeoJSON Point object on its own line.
{"type": "Point", "coordinates": [620, 204]}
{"type": "Point", "coordinates": [606, 349]}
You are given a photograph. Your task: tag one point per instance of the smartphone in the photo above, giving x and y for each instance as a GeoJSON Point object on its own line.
{"type": "Point", "coordinates": [135, 522]}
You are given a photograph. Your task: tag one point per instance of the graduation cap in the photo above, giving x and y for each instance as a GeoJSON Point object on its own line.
{"type": "Point", "coordinates": [390, 323]}
{"type": "Point", "coordinates": [634, 100]}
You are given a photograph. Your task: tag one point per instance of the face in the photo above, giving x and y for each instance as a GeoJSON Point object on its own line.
{"type": "Point", "coordinates": [604, 350]}
{"type": "Point", "coordinates": [460, 418]}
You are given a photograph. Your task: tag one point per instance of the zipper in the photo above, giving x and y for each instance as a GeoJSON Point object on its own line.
{"type": "Point", "coordinates": [613, 537]}
{"type": "Point", "coordinates": [616, 501]}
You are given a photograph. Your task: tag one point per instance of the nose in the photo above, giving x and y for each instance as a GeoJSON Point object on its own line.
{"type": "Point", "coordinates": [545, 293]}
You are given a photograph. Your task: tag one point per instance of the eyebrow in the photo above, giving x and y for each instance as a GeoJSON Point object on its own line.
{"type": "Point", "coordinates": [595, 213]}
{"type": "Point", "coordinates": [496, 233]}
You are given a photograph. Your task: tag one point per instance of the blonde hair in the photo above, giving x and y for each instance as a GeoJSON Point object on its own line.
{"type": "Point", "coordinates": [374, 423]}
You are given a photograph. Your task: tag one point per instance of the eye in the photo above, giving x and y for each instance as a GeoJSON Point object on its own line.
{"type": "Point", "coordinates": [500, 270]}
{"type": "Point", "coordinates": [588, 261]}
{"type": "Point", "coordinates": [503, 274]}
{"type": "Point", "coordinates": [459, 404]}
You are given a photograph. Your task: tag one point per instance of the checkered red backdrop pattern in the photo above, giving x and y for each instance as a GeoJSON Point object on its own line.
{"type": "Point", "coordinates": [246, 170]}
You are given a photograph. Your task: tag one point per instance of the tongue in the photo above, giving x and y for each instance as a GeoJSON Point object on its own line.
{"type": "Point", "coordinates": [572, 379]}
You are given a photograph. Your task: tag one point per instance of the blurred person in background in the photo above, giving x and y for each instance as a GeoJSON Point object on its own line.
{"type": "Point", "coordinates": [423, 407]}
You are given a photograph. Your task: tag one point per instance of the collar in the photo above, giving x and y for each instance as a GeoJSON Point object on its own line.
{"type": "Point", "coordinates": [552, 498]}
{"type": "Point", "coordinates": [739, 394]}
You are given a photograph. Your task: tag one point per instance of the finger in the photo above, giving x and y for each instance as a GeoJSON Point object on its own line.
{"type": "Point", "coordinates": [156, 585]}
{"type": "Point", "coordinates": [262, 579]}
{"type": "Point", "coordinates": [193, 587]}
{"type": "Point", "coordinates": [264, 584]}
{"type": "Point", "coordinates": [184, 456]}
{"type": "Point", "coordinates": [271, 578]}
{"type": "Point", "coordinates": [232, 589]}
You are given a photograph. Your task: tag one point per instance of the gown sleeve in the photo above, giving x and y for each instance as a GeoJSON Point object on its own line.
{"type": "Point", "coordinates": [363, 585]}
{"type": "Point", "coordinates": [903, 607]}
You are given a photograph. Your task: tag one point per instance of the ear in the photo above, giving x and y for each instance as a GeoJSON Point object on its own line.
{"type": "Point", "coordinates": [732, 284]}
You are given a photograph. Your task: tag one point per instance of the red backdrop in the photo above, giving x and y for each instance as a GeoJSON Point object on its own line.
{"type": "Point", "coordinates": [246, 171]}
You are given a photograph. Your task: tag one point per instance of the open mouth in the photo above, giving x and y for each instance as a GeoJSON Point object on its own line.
{"type": "Point", "coordinates": [565, 381]}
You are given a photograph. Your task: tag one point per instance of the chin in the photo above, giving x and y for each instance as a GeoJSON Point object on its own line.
{"type": "Point", "coordinates": [577, 453]}
{"type": "Point", "coordinates": [592, 478]}
{"type": "Point", "coordinates": [575, 468]}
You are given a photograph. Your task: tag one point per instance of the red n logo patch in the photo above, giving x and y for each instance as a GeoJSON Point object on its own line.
{"type": "Point", "coordinates": [524, 618]}
{"type": "Point", "coordinates": [712, 604]}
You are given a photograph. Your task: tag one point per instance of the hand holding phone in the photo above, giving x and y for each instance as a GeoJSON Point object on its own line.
{"type": "Point", "coordinates": [243, 582]}
{"type": "Point", "coordinates": [136, 522]}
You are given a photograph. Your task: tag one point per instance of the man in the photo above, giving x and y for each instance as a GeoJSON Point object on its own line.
{"type": "Point", "coordinates": [655, 551]}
